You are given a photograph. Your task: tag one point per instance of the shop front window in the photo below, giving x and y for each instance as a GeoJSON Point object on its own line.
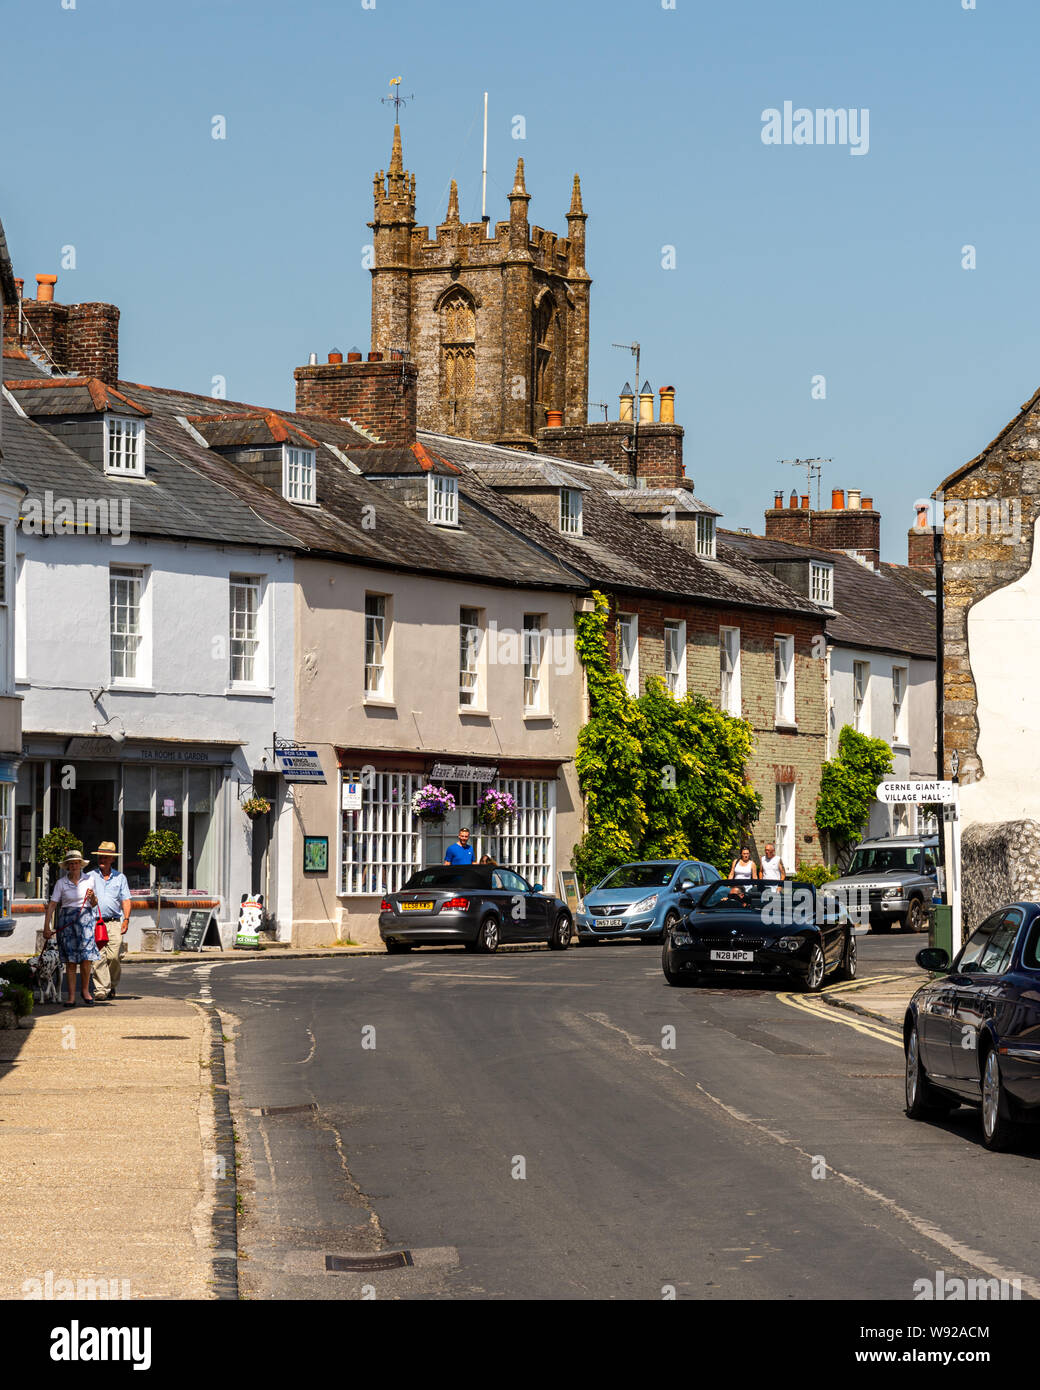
{"type": "Point", "coordinates": [92, 812]}
{"type": "Point", "coordinates": [201, 837]}
{"type": "Point", "coordinates": [169, 806]}
{"type": "Point", "coordinates": [28, 830]}
{"type": "Point", "coordinates": [137, 821]}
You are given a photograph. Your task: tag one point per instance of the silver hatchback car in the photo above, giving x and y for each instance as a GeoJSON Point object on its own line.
{"type": "Point", "coordinates": [640, 900]}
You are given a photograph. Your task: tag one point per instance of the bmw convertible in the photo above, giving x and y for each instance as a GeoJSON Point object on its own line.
{"type": "Point", "coordinates": [783, 931]}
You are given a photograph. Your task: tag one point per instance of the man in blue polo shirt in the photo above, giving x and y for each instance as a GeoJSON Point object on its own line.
{"type": "Point", "coordinates": [113, 898]}
{"type": "Point", "coordinates": [462, 851]}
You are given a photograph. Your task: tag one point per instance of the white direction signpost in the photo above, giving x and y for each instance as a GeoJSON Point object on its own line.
{"type": "Point", "coordinates": [946, 794]}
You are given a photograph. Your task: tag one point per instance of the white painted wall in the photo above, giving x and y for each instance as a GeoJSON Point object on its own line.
{"type": "Point", "coordinates": [63, 634]}
{"type": "Point", "coordinates": [912, 758]}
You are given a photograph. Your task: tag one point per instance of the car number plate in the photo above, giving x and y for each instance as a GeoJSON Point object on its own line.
{"type": "Point", "coordinates": [733, 955]}
{"type": "Point", "coordinates": [416, 907]}
{"type": "Point", "coordinates": [611, 922]}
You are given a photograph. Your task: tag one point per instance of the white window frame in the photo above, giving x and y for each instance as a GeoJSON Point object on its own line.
{"type": "Point", "coordinates": [377, 675]}
{"type": "Point", "coordinates": [900, 685]}
{"type": "Point", "coordinates": [730, 699]}
{"type": "Point", "coordinates": [534, 653]}
{"type": "Point", "coordinates": [472, 696]}
{"type": "Point", "coordinates": [821, 583]}
{"type": "Point", "coordinates": [142, 652]}
{"type": "Point", "coordinates": [675, 679]}
{"type": "Point", "coordinates": [442, 500]}
{"type": "Point", "coordinates": [258, 653]}
{"type": "Point", "coordinates": [783, 674]}
{"type": "Point", "coordinates": [124, 446]}
{"type": "Point", "coordinates": [9, 633]}
{"type": "Point", "coordinates": [21, 621]}
{"type": "Point", "coordinates": [861, 696]}
{"type": "Point", "coordinates": [628, 623]}
{"type": "Point", "coordinates": [571, 511]}
{"type": "Point", "coordinates": [300, 475]}
{"type": "Point", "coordinates": [784, 824]}
{"type": "Point", "coordinates": [705, 536]}
{"type": "Point", "coordinates": [382, 844]}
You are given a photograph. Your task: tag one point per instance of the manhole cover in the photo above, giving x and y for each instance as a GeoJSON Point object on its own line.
{"type": "Point", "coordinates": [287, 1109]}
{"type": "Point", "coordinates": [364, 1264]}
{"type": "Point", "coordinates": [155, 1037]}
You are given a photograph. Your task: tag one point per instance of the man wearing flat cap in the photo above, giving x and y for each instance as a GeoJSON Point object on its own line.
{"type": "Point", "coordinates": [113, 896]}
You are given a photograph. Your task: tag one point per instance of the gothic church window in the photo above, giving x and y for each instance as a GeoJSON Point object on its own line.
{"type": "Point", "coordinates": [544, 339]}
{"type": "Point", "coordinates": [458, 351]}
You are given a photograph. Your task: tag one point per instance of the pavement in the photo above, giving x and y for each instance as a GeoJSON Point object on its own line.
{"type": "Point", "coordinates": [884, 999]}
{"type": "Point", "coordinates": [112, 1151]}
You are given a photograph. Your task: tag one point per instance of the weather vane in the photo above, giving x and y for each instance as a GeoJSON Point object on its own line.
{"type": "Point", "coordinates": [396, 100]}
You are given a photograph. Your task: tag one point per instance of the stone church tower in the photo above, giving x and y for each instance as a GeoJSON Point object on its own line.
{"type": "Point", "coordinates": [497, 326]}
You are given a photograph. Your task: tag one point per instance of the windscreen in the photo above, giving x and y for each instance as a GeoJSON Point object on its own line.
{"type": "Point", "coordinates": [749, 895]}
{"type": "Point", "coordinates": [897, 860]}
{"type": "Point", "coordinates": [639, 876]}
{"type": "Point", "coordinates": [447, 876]}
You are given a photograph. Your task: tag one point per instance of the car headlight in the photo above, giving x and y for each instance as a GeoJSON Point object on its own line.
{"type": "Point", "coordinates": [644, 904]}
{"type": "Point", "coordinates": [896, 892]}
{"type": "Point", "coordinates": [681, 938]}
{"type": "Point", "coordinates": [581, 904]}
{"type": "Point", "coordinates": [789, 943]}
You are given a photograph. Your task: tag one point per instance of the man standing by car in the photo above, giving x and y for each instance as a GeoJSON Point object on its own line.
{"type": "Point", "coordinates": [773, 870]}
{"type": "Point", "coordinates": [462, 851]}
{"type": "Point", "coordinates": [113, 899]}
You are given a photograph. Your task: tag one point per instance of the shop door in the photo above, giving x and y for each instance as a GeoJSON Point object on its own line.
{"type": "Point", "coordinates": [93, 806]}
{"type": "Point", "coordinates": [265, 784]}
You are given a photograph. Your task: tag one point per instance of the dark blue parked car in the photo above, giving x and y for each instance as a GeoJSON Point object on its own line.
{"type": "Point", "coordinates": [972, 1034]}
{"type": "Point", "coordinates": [639, 900]}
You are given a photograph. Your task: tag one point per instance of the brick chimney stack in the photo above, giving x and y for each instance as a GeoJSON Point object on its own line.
{"type": "Point", "coordinates": [660, 448]}
{"type": "Point", "coordinates": [378, 395]}
{"type": "Point", "coordinates": [846, 525]}
{"type": "Point", "coordinates": [920, 544]}
{"type": "Point", "coordinates": [79, 339]}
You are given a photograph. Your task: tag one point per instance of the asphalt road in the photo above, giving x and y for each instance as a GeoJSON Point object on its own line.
{"type": "Point", "coordinates": [565, 1125]}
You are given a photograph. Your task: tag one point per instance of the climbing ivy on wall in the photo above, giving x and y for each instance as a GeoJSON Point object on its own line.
{"type": "Point", "coordinates": [662, 778]}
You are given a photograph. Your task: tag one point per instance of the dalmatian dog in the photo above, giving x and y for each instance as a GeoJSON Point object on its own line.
{"type": "Point", "coordinates": [47, 969]}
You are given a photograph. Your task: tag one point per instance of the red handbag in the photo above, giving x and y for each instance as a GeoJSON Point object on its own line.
{"type": "Point", "coordinates": [100, 931]}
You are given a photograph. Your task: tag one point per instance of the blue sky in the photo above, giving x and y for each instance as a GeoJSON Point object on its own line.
{"type": "Point", "coordinates": [239, 257]}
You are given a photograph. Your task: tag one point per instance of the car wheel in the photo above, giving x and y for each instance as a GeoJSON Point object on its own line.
{"type": "Point", "coordinates": [679, 978]}
{"type": "Point", "coordinates": [915, 919]}
{"type": "Point", "coordinates": [487, 937]}
{"type": "Point", "coordinates": [814, 976]}
{"type": "Point", "coordinates": [849, 959]}
{"type": "Point", "coordinates": [669, 925]}
{"type": "Point", "coordinates": [998, 1128]}
{"type": "Point", "coordinates": [560, 936]}
{"type": "Point", "coordinates": [922, 1099]}
{"type": "Point", "coordinates": [397, 948]}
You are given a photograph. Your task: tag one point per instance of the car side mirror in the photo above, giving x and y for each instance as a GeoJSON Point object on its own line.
{"type": "Point", "coordinates": [536, 887]}
{"type": "Point", "coordinates": [692, 900]}
{"type": "Point", "coordinates": [933, 958]}
{"type": "Point", "coordinates": [686, 883]}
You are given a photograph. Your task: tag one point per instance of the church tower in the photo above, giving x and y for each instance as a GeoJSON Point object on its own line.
{"type": "Point", "coordinates": [498, 326]}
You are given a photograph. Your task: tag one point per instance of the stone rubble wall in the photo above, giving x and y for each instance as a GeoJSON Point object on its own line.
{"type": "Point", "coordinates": [1000, 864]}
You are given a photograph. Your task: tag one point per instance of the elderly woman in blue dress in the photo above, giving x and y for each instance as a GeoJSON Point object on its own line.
{"type": "Point", "coordinates": [76, 905]}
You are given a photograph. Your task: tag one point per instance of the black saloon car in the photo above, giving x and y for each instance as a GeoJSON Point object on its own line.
{"type": "Point", "coordinates": [477, 906]}
{"type": "Point", "coordinates": [972, 1034]}
{"type": "Point", "coordinates": [786, 931]}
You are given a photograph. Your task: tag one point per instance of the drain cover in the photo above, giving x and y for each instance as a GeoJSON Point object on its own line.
{"type": "Point", "coordinates": [287, 1109]}
{"type": "Point", "coordinates": [156, 1037]}
{"type": "Point", "coordinates": [363, 1264]}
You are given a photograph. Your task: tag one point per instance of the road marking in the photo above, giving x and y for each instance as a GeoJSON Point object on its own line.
{"type": "Point", "coordinates": [504, 980]}
{"type": "Point", "coordinates": [814, 1005]}
{"type": "Point", "coordinates": [314, 1048]}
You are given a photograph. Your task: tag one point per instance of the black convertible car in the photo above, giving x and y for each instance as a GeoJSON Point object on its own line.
{"type": "Point", "coordinates": [477, 906]}
{"type": "Point", "coordinates": [973, 1033]}
{"type": "Point", "coordinates": [788, 931]}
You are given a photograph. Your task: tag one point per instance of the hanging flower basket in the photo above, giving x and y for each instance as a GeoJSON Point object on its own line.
{"type": "Point", "coordinates": [256, 806]}
{"type": "Point", "coordinates": [494, 807]}
{"type": "Point", "coordinates": [432, 803]}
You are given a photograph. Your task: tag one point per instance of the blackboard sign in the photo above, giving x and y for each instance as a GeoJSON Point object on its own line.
{"type": "Point", "coordinates": [201, 923]}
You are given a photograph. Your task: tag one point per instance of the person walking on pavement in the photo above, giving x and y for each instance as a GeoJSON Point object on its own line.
{"type": "Point", "coordinates": [773, 870]}
{"type": "Point", "coordinates": [76, 903]}
{"type": "Point", "coordinates": [113, 899]}
{"type": "Point", "coordinates": [744, 866]}
{"type": "Point", "coordinates": [462, 851]}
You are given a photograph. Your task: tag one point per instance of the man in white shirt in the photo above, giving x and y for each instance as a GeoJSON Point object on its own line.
{"type": "Point", "coordinates": [773, 870]}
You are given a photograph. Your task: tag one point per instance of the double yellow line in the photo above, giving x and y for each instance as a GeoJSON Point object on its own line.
{"type": "Point", "coordinates": [814, 1005]}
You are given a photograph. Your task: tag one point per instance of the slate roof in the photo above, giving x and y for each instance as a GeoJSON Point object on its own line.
{"type": "Point", "coordinates": [617, 550]}
{"type": "Point", "coordinates": [662, 499]}
{"type": "Point", "coordinates": [21, 364]}
{"type": "Point", "coordinates": [71, 395]}
{"type": "Point", "coordinates": [878, 609]}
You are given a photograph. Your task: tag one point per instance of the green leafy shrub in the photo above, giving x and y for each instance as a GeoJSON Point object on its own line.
{"type": "Point", "coordinates": [53, 847]}
{"type": "Point", "coordinates": [662, 778]}
{"type": "Point", "coordinates": [160, 846]}
{"type": "Point", "coordinates": [17, 972]}
{"type": "Point", "coordinates": [848, 787]}
{"type": "Point", "coordinates": [17, 996]}
{"type": "Point", "coordinates": [816, 874]}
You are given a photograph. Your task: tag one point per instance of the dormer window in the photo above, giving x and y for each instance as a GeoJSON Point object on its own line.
{"type": "Point", "coordinates": [124, 446]}
{"type": "Point", "coordinates": [706, 537]}
{"type": "Point", "coordinates": [298, 475]}
{"type": "Point", "coordinates": [570, 511]}
{"type": "Point", "coordinates": [821, 583]}
{"type": "Point", "coordinates": [442, 506]}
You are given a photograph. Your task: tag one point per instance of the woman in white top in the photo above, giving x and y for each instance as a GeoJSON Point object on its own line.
{"type": "Point", "coordinates": [76, 904]}
{"type": "Point", "coordinates": [744, 867]}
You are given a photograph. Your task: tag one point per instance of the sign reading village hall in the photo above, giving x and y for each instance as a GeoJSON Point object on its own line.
{"type": "Point", "coordinates": [300, 765]}
{"type": "Point", "coordinates": [918, 793]}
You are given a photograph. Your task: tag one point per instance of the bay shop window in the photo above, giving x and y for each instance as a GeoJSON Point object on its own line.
{"type": "Point", "coordinates": [383, 843]}
{"type": "Point", "coordinates": [121, 802]}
